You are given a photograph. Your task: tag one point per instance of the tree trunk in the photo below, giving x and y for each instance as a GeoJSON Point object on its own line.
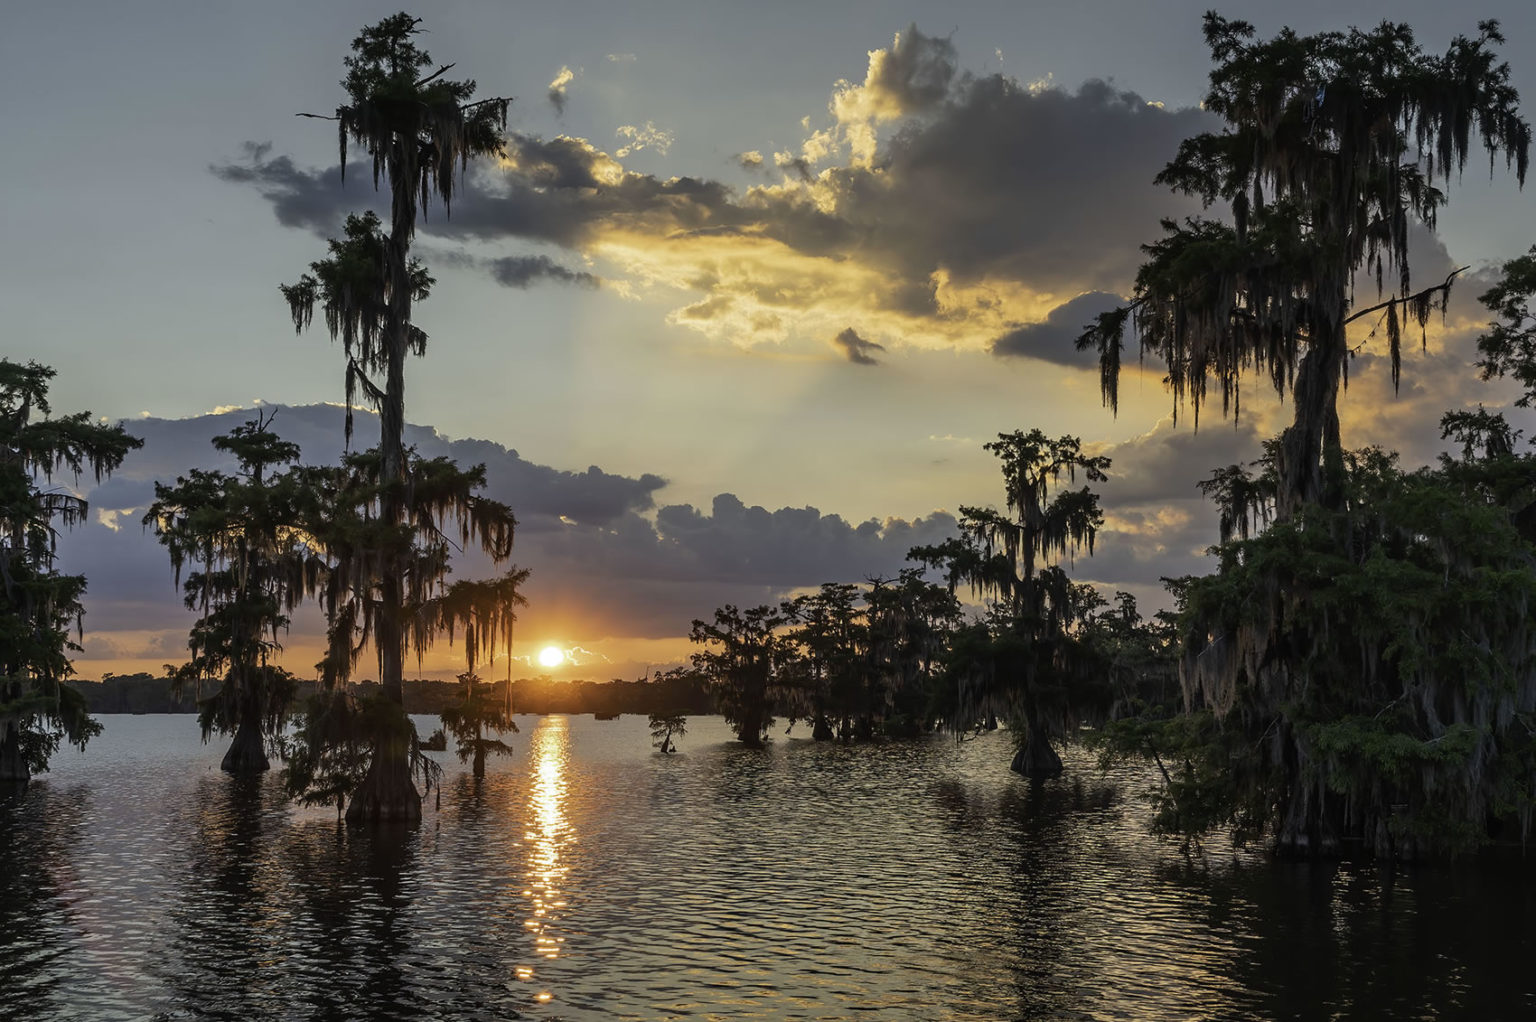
{"type": "Point", "coordinates": [13, 769]}
{"type": "Point", "coordinates": [822, 731]}
{"type": "Point", "coordinates": [749, 730]}
{"type": "Point", "coordinates": [1035, 757]}
{"type": "Point", "coordinates": [248, 752]}
{"type": "Point", "coordinates": [479, 765]}
{"type": "Point", "coordinates": [1311, 453]}
{"type": "Point", "coordinates": [387, 794]}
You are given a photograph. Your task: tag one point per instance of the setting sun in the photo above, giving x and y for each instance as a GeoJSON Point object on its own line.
{"type": "Point", "coordinates": [551, 656]}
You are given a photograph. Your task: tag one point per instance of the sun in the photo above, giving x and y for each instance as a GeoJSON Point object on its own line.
{"type": "Point", "coordinates": [551, 656]}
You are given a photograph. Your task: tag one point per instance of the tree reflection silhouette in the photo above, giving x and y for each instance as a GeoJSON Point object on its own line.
{"type": "Point", "coordinates": [38, 828]}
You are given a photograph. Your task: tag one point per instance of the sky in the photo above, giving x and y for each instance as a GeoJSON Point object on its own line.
{"type": "Point", "coordinates": [733, 316]}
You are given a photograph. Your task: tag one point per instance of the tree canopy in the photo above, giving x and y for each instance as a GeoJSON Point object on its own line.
{"type": "Point", "coordinates": [40, 606]}
{"type": "Point", "coordinates": [1332, 148]}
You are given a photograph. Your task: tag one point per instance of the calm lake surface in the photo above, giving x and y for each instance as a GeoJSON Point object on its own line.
{"type": "Point", "coordinates": [588, 877]}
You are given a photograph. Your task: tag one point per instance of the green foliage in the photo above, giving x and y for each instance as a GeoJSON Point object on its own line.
{"type": "Point", "coordinates": [387, 535]}
{"type": "Point", "coordinates": [478, 711]}
{"type": "Point", "coordinates": [1330, 150]}
{"type": "Point", "coordinates": [254, 565]}
{"type": "Point", "coordinates": [665, 727]}
{"type": "Point", "coordinates": [1366, 670]}
{"type": "Point", "coordinates": [1509, 346]}
{"type": "Point", "coordinates": [743, 655]}
{"type": "Point", "coordinates": [335, 739]}
{"type": "Point", "coordinates": [1026, 663]}
{"type": "Point", "coordinates": [39, 606]}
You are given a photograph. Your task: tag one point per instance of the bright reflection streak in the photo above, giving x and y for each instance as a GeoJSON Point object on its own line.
{"type": "Point", "coordinates": [547, 841]}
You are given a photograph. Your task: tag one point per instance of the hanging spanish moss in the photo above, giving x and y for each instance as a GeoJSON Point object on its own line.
{"type": "Point", "coordinates": [1332, 147]}
{"type": "Point", "coordinates": [420, 130]}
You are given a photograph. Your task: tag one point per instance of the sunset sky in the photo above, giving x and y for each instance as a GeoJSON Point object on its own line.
{"type": "Point", "coordinates": [733, 317]}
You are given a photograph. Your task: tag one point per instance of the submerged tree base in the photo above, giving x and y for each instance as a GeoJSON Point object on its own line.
{"type": "Point", "coordinates": [247, 753]}
{"type": "Point", "coordinates": [387, 794]}
{"type": "Point", "coordinates": [1036, 759]}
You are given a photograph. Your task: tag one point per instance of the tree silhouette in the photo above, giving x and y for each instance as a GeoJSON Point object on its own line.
{"type": "Point", "coordinates": [420, 130]}
{"type": "Point", "coordinates": [39, 606]}
{"type": "Point", "coordinates": [1008, 557]}
{"type": "Point", "coordinates": [244, 533]}
{"type": "Point", "coordinates": [479, 710]}
{"type": "Point", "coordinates": [743, 655]}
{"type": "Point", "coordinates": [1331, 149]}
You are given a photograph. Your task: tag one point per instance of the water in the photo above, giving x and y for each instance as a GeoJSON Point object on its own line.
{"type": "Point", "coordinates": [588, 877]}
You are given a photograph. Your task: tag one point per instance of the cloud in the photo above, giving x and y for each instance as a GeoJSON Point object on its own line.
{"type": "Point", "coordinates": [1053, 338]}
{"type": "Point", "coordinates": [647, 137]}
{"type": "Point", "coordinates": [857, 349]}
{"type": "Point", "coordinates": [936, 208]}
{"type": "Point", "coordinates": [621, 58]}
{"type": "Point", "coordinates": [559, 88]}
{"type": "Point", "coordinates": [522, 271]}
{"type": "Point", "coordinates": [750, 160]}
{"type": "Point", "coordinates": [606, 561]}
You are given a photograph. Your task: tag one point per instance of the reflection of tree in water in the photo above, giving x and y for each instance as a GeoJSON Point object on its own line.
{"type": "Point", "coordinates": [354, 889]}
{"type": "Point", "coordinates": [231, 914]}
{"type": "Point", "coordinates": [1361, 942]}
{"type": "Point", "coordinates": [38, 828]}
{"type": "Point", "coordinates": [1059, 874]}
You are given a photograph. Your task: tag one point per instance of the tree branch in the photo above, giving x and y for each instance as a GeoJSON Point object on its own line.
{"type": "Point", "coordinates": [1405, 299]}
{"type": "Point", "coordinates": [433, 75]}
{"type": "Point", "coordinates": [497, 99]}
{"type": "Point", "coordinates": [319, 117]}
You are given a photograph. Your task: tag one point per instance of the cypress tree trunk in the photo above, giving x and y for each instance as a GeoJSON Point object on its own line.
{"type": "Point", "coordinates": [749, 730]}
{"type": "Point", "coordinates": [248, 752]}
{"type": "Point", "coordinates": [1035, 757]}
{"type": "Point", "coordinates": [387, 792]}
{"type": "Point", "coordinates": [822, 731]}
{"type": "Point", "coordinates": [13, 770]}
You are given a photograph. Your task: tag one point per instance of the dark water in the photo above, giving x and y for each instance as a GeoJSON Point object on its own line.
{"type": "Point", "coordinates": [590, 878]}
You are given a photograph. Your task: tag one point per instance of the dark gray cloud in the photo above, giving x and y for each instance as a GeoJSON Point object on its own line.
{"type": "Point", "coordinates": [856, 349]}
{"type": "Point", "coordinates": [978, 183]}
{"type": "Point", "coordinates": [913, 75]}
{"type": "Point", "coordinates": [523, 271]}
{"type": "Point", "coordinates": [1053, 339]}
{"type": "Point", "coordinates": [596, 554]}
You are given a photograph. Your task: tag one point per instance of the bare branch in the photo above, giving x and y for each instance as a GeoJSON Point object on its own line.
{"type": "Point", "coordinates": [319, 117]}
{"type": "Point", "coordinates": [498, 99]}
{"type": "Point", "coordinates": [1404, 300]}
{"type": "Point", "coordinates": [433, 75]}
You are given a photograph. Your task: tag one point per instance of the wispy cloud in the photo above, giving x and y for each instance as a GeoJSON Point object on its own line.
{"type": "Point", "coordinates": [559, 88]}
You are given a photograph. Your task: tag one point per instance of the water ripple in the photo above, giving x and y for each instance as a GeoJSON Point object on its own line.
{"type": "Point", "coordinates": [588, 877]}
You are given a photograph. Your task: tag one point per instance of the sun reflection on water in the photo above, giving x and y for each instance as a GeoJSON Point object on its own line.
{"type": "Point", "coordinates": [547, 842]}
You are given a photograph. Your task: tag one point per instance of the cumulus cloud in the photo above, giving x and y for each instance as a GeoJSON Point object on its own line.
{"type": "Point", "coordinates": [1053, 338]}
{"type": "Point", "coordinates": [935, 207]}
{"type": "Point", "coordinates": [856, 349]}
{"type": "Point", "coordinates": [522, 271]}
{"type": "Point", "coordinates": [606, 560]}
{"type": "Point", "coordinates": [750, 160]}
{"type": "Point", "coordinates": [559, 88]}
{"type": "Point", "coordinates": [647, 136]}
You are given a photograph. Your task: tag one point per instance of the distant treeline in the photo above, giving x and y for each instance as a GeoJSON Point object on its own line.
{"type": "Point", "coordinates": [685, 694]}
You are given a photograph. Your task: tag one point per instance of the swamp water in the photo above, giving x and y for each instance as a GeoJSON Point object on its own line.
{"type": "Point", "coordinates": [588, 877]}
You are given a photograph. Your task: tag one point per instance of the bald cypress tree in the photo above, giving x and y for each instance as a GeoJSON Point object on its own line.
{"type": "Point", "coordinates": [39, 605]}
{"type": "Point", "coordinates": [420, 130]}
{"type": "Point", "coordinates": [1348, 673]}
{"type": "Point", "coordinates": [241, 535]}
{"type": "Point", "coordinates": [1333, 145]}
{"type": "Point", "coordinates": [1027, 668]}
